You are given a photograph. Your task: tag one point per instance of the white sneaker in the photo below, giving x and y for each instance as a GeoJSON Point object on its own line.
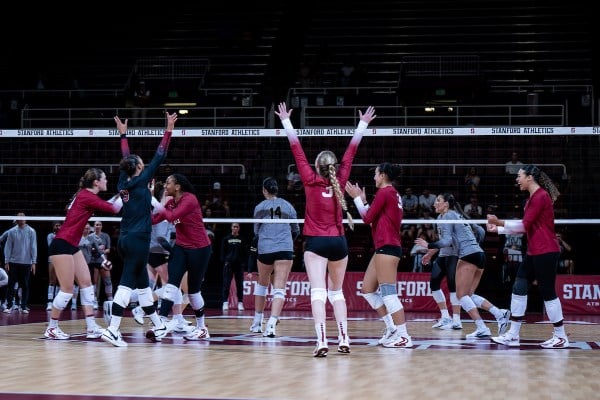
{"type": "Point", "coordinates": [507, 339]}
{"type": "Point", "coordinates": [457, 325]}
{"type": "Point", "coordinates": [503, 322]}
{"type": "Point", "coordinates": [55, 334]}
{"type": "Point", "coordinates": [484, 333]}
{"type": "Point", "coordinates": [138, 315]}
{"type": "Point", "coordinates": [344, 344]}
{"type": "Point", "coordinates": [49, 306]}
{"type": "Point", "coordinates": [107, 311]}
{"type": "Point", "coordinates": [556, 342]}
{"type": "Point", "coordinates": [321, 350]}
{"type": "Point", "coordinates": [270, 331]}
{"type": "Point", "coordinates": [241, 306]}
{"type": "Point", "coordinates": [7, 310]}
{"type": "Point", "coordinates": [179, 326]}
{"type": "Point", "coordinates": [256, 327]}
{"type": "Point", "coordinates": [399, 342]}
{"type": "Point", "coordinates": [387, 334]}
{"type": "Point", "coordinates": [156, 334]}
{"type": "Point", "coordinates": [443, 323]}
{"type": "Point", "coordinates": [113, 338]}
{"type": "Point", "coordinates": [225, 306]}
{"type": "Point", "coordinates": [95, 332]}
{"type": "Point", "coordinates": [197, 334]}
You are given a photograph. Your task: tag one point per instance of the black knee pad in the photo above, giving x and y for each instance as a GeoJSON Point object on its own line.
{"type": "Point", "coordinates": [520, 287]}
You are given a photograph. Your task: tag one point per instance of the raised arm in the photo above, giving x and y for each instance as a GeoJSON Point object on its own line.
{"type": "Point", "coordinates": [365, 120]}
{"type": "Point", "coordinates": [284, 115]}
{"type": "Point", "coordinates": [122, 128]}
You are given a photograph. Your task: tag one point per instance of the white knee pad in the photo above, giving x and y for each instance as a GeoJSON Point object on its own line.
{"type": "Point", "coordinates": [159, 292]}
{"type": "Point", "coordinates": [467, 303]}
{"type": "Point", "coordinates": [318, 294]}
{"type": "Point", "coordinates": [335, 295]}
{"type": "Point", "coordinates": [438, 296]}
{"type": "Point", "coordinates": [478, 300]}
{"type": "Point", "coordinates": [392, 303]}
{"type": "Point", "coordinates": [278, 293]}
{"type": "Point", "coordinates": [196, 301]}
{"type": "Point", "coordinates": [554, 310]}
{"type": "Point", "coordinates": [61, 300]}
{"type": "Point", "coordinates": [454, 299]}
{"type": "Point", "coordinates": [3, 277]}
{"type": "Point", "coordinates": [170, 293]}
{"type": "Point", "coordinates": [374, 299]}
{"type": "Point", "coordinates": [260, 290]}
{"type": "Point", "coordinates": [145, 297]}
{"type": "Point", "coordinates": [86, 295]}
{"type": "Point", "coordinates": [122, 296]}
{"type": "Point", "coordinates": [518, 305]}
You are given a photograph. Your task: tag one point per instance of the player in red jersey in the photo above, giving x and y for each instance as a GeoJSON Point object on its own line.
{"type": "Point", "coordinates": [385, 217]}
{"type": "Point", "coordinates": [326, 249]}
{"type": "Point", "coordinates": [65, 254]}
{"type": "Point", "coordinates": [541, 260]}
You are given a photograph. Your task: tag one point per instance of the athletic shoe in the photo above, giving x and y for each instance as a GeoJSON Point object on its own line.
{"type": "Point", "coordinates": [484, 333]}
{"type": "Point", "coordinates": [156, 334]}
{"type": "Point", "coordinates": [387, 334]}
{"type": "Point", "coordinates": [138, 315]}
{"type": "Point", "coordinates": [197, 334]}
{"type": "Point", "coordinates": [457, 325]}
{"type": "Point", "coordinates": [399, 342]}
{"type": "Point", "coordinates": [113, 338]}
{"type": "Point", "coordinates": [503, 322]}
{"type": "Point", "coordinates": [49, 306]}
{"type": "Point", "coordinates": [344, 345]}
{"type": "Point", "coordinates": [7, 310]}
{"type": "Point", "coordinates": [321, 350]}
{"type": "Point", "coordinates": [107, 311]}
{"type": "Point", "coordinates": [95, 332]}
{"type": "Point", "coordinates": [556, 342]}
{"type": "Point", "coordinates": [270, 331]}
{"type": "Point", "coordinates": [256, 327]}
{"type": "Point", "coordinates": [225, 306]}
{"type": "Point", "coordinates": [24, 310]}
{"type": "Point", "coordinates": [179, 326]}
{"type": "Point", "coordinates": [55, 334]}
{"type": "Point", "coordinates": [507, 339]}
{"type": "Point", "coordinates": [443, 323]}
{"type": "Point", "coordinates": [241, 306]}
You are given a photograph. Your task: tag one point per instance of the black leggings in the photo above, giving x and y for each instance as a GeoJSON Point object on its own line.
{"type": "Point", "coordinates": [444, 267]}
{"type": "Point", "coordinates": [542, 268]}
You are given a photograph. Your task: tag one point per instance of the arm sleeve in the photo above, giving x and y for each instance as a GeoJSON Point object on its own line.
{"type": "Point", "coordinates": [124, 146]}
{"type": "Point", "coordinates": [362, 208]}
{"type": "Point", "coordinates": [510, 227]}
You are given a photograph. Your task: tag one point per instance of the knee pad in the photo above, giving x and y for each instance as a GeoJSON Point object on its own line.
{"type": "Point", "coordinates": [374, 300]}
{"type": "Point", "coordinates": [279, 294]}
{"type": "Point", "coordinates": [260, 290]}
{"type": "Point", "coordinates": [133, 295]}
{"type": "Point", "coordinates": [318, 294]}
{"type": "Point", "coordinates": [159, 292]}
{"type": "Point", "coordinates": [467, 303]}
{"type": "Point", "coordinates": [388, 289]}
{"type": "Point", "coordinates": [145, 297]}
{"type": "Point", "coordinates": [86, 296]}
{"type": "Point", "coordinates": [518, 305]}
{"type": "Point", "coordinates": [196, 301]}
{"type": "Point", "coordinates": [335, 295]}
{"type": "Point", "coordinates": [478, 300]}
{"type": "Point", "coordinates": [520, 287]}
{"type": "Point", "coordinates": [122, 296]}
{"type": "Point", "coordinates": [61, 300]}
{"type": "Point", "coordinates": [170, 292]}
{"type": "Point", "coordinates": [392, 303]}
{"type": "Point", "coordinates": [554, 310]}
{"type": "Point", "coordinates": [438, 296]}
{"type": "Point", "coordinates": [454, 299]}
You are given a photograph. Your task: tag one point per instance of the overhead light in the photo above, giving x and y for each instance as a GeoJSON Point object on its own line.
{"type": "Point", "coordinates": [182, 112]}
{"type": "Point", "coordinates": [429, 109]}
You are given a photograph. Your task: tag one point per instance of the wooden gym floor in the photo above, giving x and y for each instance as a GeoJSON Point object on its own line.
{"type": "Point", "coordinates": [236, 364]}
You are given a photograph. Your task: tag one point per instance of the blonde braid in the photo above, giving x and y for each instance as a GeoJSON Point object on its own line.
{"type": "Point", "coordinates": [338, 193]}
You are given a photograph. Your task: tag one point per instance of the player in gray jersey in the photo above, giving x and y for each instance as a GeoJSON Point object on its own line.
{"type": "Point", "coordinates": [470, 266]}
{"type": "Point", "coordinates": [275, 254]}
